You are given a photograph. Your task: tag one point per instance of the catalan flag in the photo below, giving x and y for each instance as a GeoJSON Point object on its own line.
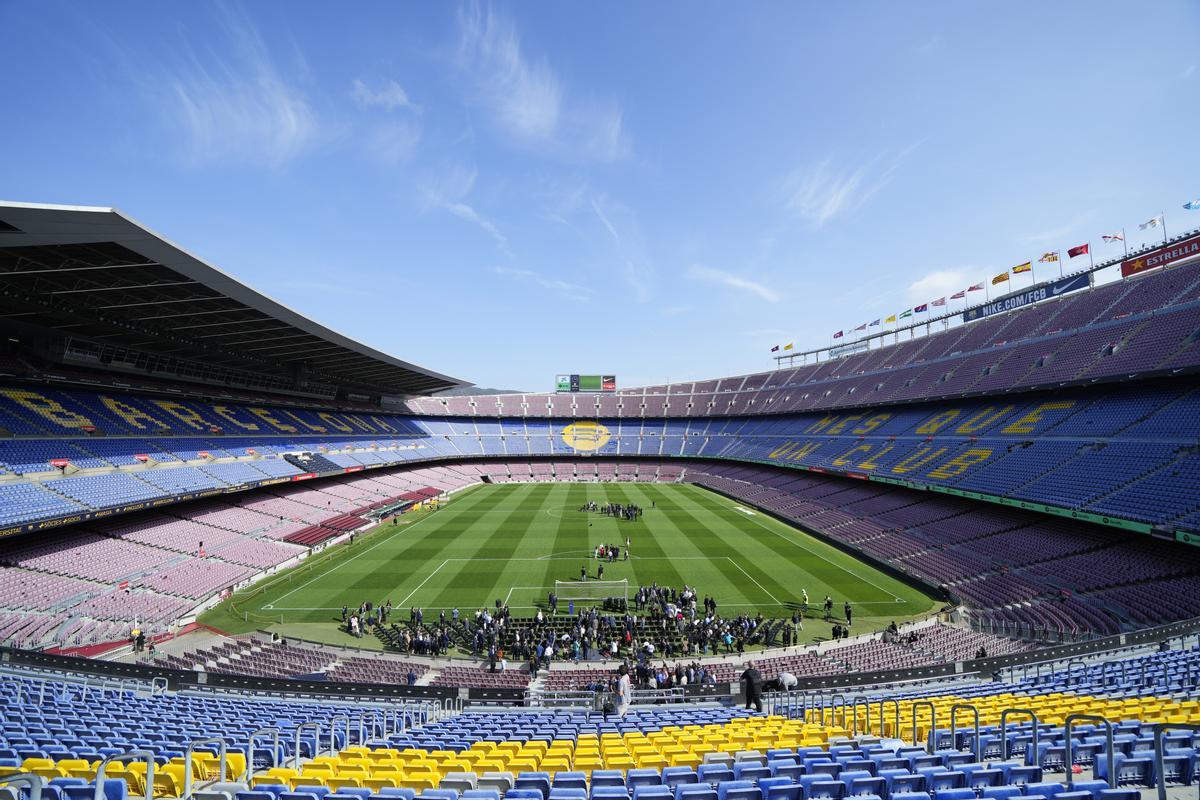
{"type": "Point", "coordinates": [1049, 258]}
{"type": "Point", "coordinates": [999, 279]}
{"type": "Point", "coordinates": [1019, 268]}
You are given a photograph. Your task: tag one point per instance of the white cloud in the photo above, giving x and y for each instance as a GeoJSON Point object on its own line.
{"type": "Point", "coordinates": [387, 94]}
{"type": "Point", "coordinates": [572, 291]}
{"type": "Point", "coordinates": [942, 283]}
{"type": "Point", "coordinates": [238, 105]}
{"type": "Point", "coordinates": [526, 97]}
{"type": "Point", "coordinates": [635, 267]}
{"type": "Point", "coordinates": [1188, 72]}
{"type": "Point", "coordinates": [733, 281]}
{"type": "Point", "coordinates": [817, 194]}
{"type": "Point", "coordinates": [393, 142]}
{"type": "Point", "coordinates": [449, 194]}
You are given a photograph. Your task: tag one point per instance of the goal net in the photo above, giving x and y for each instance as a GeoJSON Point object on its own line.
{"type": "Point", "coordinates": [592, 590]}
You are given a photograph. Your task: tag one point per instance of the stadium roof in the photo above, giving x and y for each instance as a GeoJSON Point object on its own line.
{"type": "Point", "coordinates": [94, 273]}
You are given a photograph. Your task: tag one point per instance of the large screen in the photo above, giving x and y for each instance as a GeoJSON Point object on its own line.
{"type": "Point", "coordinates": [585, 383]}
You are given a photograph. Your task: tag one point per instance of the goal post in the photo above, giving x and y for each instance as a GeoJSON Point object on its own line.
{"type": "Point", "coordinates": [596, 591]}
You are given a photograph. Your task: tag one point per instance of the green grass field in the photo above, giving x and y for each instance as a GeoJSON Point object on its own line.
{"type": "Point", "coordinates": [511, 542]}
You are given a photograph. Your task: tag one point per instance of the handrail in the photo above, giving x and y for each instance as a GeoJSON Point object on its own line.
{"type": "Point", "coordinates": [258, 734]}
{"type": "Point", "coordinates": [377, 724]}
{"type": "Point", "coordinates": [316, 726]}
{"type": "Point", "coordinates": [1004, 732]}
{"type": "Point", "coordinates": [159, 685]}
{"type": "Point", "coordinates": [954, 709]}
{"type": "Point", "coordinates": [930, 745]}
{"type": "Point", "coordinates": [1069, 746]}
{"type": "Point", "coordinates": [854, 704]}
{"type": "Point", "coordinates": [896, 716]}
{"type": "Point", "coordinates": [222, 756]}
{"type": "Point", "coordinates": [127, 755]}
{"type": "Point", "coordinates": [33, 781]}
{"type": "Point", "coordinates": [834, 704]}
{"type": "Point", "coordinates": [1161, 728]}
{"type": "Point", "coordinates": [333, 745]}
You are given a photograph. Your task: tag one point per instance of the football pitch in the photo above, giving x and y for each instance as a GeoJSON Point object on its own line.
{"type": "Point", "coordinates": [511, 542]}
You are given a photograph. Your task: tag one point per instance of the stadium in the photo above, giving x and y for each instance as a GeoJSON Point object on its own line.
{"type": "Point", "coordinates": [950, 554]}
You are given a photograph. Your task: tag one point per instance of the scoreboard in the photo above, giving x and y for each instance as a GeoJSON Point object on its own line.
{"type": "Point", "coordinates": [585, 383]}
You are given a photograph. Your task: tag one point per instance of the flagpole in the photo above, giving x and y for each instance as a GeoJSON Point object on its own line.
{"type": "Point", "coordinates": [1091, 258]}
{"type": "Point", "coordinates": [1125, 241]}
{"type": "Point", "coordinates": [1059, 254]}
{"type": "Point", "coordinates": [1163, 216]}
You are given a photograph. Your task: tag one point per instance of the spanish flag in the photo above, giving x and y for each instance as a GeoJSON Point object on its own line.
{"type": "Point", "coordinates": [1001, 278]}
{"type": "Point", "coordinates": [1026, 267]}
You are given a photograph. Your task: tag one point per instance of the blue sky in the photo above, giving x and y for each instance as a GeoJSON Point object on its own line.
{"type": "Point", "coordinates": [661, 190]}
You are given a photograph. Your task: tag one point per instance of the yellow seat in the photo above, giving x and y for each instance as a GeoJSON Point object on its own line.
{"type": "Point", "coordinates": [377, 782]}
{"type": "Point", "coordinates": [418, 784]}
{"type": "Point", "coordinates": [344, 782]}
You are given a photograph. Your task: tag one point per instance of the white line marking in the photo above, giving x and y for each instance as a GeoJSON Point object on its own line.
{"type": "Point", "coordinates": [761, 524]}
{"type": "Point", "coordinates": [751, 577]}
{"type": "Point", "coordinates": [355, 557]}
{"type": "Point", "coordinates": [422, 583]}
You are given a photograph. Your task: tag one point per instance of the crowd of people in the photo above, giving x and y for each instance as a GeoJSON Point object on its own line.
{"type": "Point", "coordinates": [628, 511]}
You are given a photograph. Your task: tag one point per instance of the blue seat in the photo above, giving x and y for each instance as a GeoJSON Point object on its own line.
{"type": "Point", "coordinates": [274, 789]}
{"type": "Point", "coordinates": [782, 770]}
{"type": "Point", "coordinates": [1020, 776]}
{"type": "Point", "coordinates": [1120, 794]}
{"type": "Point", "coordinates": [260, 795]}
{"type": "Point", "coordinates": [954, 794]}
{"type": "Point", "coordinates": [847, 776]}
{"type": "Point", "coordinates": [1094, 788]}
{"type": "Point", "coordinates": [835, 790]}
{"type": "Point", "coordinates": [982, 778]}
{"type": "Point", "coordinates": [363, 794]}
{"type": "Point", "coordinates": [713, 773]}
{"type": "Point", "coordinates": [737, 790]}
{"type": "Point", "coordinates": [492, 794]}
{"type": "Point", "coordinates": [1001, 792]}
{"type": "Point", "coordinates": [695, 791]}
{"type": "Point", "coordinates": [787, 791]}
{"type": "Point", "coordinates": [318, 790]}
{"type": "Point", "coordinates": [643, 777]}
{"type": "Point", "coordinates": [908, 784]}
{"type": "Point", "coordinates": [615, 792]}
{"type": "Point", "coordinates": [674, 776]}
{"type": "Point", "coordinates": [608, 777]}
{"type": "Point", "coordinates": [531, 780]}
{"type": "Point", "coordinates": [653, 792]}
{"type": "Point", "coordinates": [569, 780]}
{"type": "Point", "coordinates": [861, 787]}
{"type": "Point", "coordinates": [946, 780]}
{"type": "Point", "coordinates": [556, 793]}
{"type": "Point", "coordinates": [1047, 789]}
{"type": "Point", "coordinates": [526, 794]}
{"type": "Point", "coordinates": [397, 791]}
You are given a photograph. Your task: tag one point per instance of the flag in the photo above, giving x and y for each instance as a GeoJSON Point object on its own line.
{"type": "Point", "coordinates": [1001, 278]}
{"type": "Point", "coordinates": [1193, 206]}
{"type": "Point", "coordinates": [838, 335]}
{"type": "Point", "coordinates": [1110, 238]}
{"type": "Point", "coordinates": [941, 301]}
{"type": "Point", "coordinates": [892, 318]}
{"type": "Point", "coordinates": [775, 349]}
{"type": "Point", "coordinates": [976, 288]}
{"type": "Point", "coordinates": [959, 295]}
{"type": "Point", "coordinates": [1082, 250]}
{"type": "Point", "coordinates": [921, 309]}
{"type": "Point", "coordinates": [1048, 258]}
{"type": "Point", "coordinates": [876, 322]}
{"type": "Point", "coordinates": [862, 327]}
{"type": "Point", "coordinates": [1019, 268]}
{"type": "Point", "coordinates": [788, 346]}
{"type": "Point", "coordinates": [906, 314]}
{"type": "Point", "coordinates": [1151, 223]}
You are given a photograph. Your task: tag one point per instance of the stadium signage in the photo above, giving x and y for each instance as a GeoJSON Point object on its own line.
{"type": "Point", "coordinates": [1026, 297]}
{"type": "Point", "coordinates": [1161, 257]}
